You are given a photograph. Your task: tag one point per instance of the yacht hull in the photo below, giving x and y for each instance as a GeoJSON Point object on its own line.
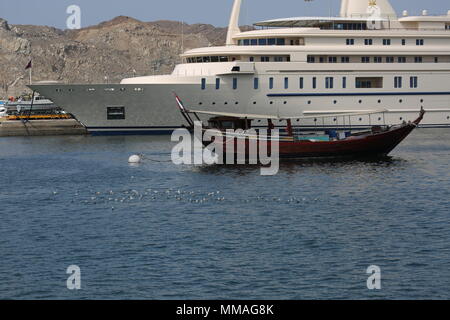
{"type": "Point", "coordinates": [150, 108]}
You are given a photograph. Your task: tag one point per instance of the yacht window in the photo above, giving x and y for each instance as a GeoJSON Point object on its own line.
{"type": "Point", "coordinates": [203, 83]}
{"type": "Point", "coordinates": [278, 59]}
{"type": "Point", "coordinates": [401, 60]}
{"type": "Point", "coordinates": [419, 42]}
{"type": "Point", "coordinates": [223, 59]}
{"type": "Point", "coordinates": [403, 42]}
{"type": "Point", "coordinates": [418, 59]}
{"type": "Point", "coordinates": [215, 59]}
{"type": "Point", "coordinates": [413, 82]}
{"type": "Point", "coordinates": [365, 59]}
{"type": "Point", "coordinates": [246, 42]}
{"type": "Point", "coordinates": [377, 59]}
{"type": "Point", "coordinates": [270, 83]}
{"type": "Point", "coordinates": [314, 82]}
{"type": "Point", "coordinates": [115, 113]}
{"type": "Point", "coordinates": [265, 59]}
{"type": "Point", "coordinates": [368, 42]}
{"type": "Point", "coordinates": [262, 42]}
{"type": "Point", "coordinates": [286, 83]}
{"type": "Point", "coordinates": [345, 59]}
{"type": "Point", "coordinates": [321, 60]}
{"type": "Point", "coordinates": [344, 82]}
{"type": "Point", "coordinates": [329, 82]}
{"type": "Point", "coordinates": [397, 82]}
{"type": "Point", "coordinates": [280, 42]}
{"type": "Point", "coordinates": [206, 59]}
{"type": "Point", "coordinates": [386, 42]}
{"type": "Point", "coordinates": [251, 59]}
{"type": "Point", "coordinates": [235, 83]}
{"type": "Point", "coordinates": [332, 59]}
{"type": "Point", "coordinates": [350, 42]}
{"type": "Point", "coordinates": [271, 42]}
{"type": "Point", "coordinates": [256, 83]}
{"type": "Point", "coordinates": [369, 82]}
{"type": "Point", "coordinates": [436, 59]}
{"type": "Point", "coordinates": [389, 59]}
{"type": "Point", "coordinates": [254, 42]}
{"type": "Point", "coordinates": [217, 83]}
{"type": "Point", "coordinates": [311, 59]}
{"type": "Point", "coordinates": [301, 83]}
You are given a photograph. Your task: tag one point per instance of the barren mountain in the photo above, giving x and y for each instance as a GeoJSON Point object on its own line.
{"type": "Point", "coordinates": [109, 51]}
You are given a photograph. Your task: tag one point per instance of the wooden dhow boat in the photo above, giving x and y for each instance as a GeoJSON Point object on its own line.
{"type": "Point", "coordinates": [378, 141]}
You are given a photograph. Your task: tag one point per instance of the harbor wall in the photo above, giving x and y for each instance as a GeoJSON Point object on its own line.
{"type": "Point", "coordinates": [41, 128]}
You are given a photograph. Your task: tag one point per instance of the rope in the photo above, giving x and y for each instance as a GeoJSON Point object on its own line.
{"type": "Point", "coordinates": [144, 157]}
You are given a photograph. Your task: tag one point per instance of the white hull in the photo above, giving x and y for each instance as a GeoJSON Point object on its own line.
{"type": "Point", "coordinates": [154, 110]}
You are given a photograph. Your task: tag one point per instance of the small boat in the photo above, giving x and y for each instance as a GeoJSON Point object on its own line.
{"type": "Point", "coordinates": [379, 141]}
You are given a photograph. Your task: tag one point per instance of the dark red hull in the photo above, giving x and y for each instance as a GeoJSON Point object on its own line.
{"type": "Point", "coordinates": [370, 145]}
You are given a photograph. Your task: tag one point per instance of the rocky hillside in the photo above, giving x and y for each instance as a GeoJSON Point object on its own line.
{"type": "Point", "coordinates": [114, 49]}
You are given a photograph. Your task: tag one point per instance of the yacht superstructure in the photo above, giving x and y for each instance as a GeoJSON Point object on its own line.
{"type": "Point", "coordinates": [365, 60]}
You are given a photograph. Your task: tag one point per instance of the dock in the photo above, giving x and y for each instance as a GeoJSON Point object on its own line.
{"type": "Point", "coordinates": [10, 128]}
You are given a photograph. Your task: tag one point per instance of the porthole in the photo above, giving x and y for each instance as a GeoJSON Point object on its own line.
{"type": "Point", "coordinates": [271, 102]}
{"type": "Point", "coordinates": [360, 119]}
{"type": "Point", "coordinates": [200, 103]}
{"type": "Point", "coordinates": [360, 101]}
{"type": "Point", "coordinates": [400, 101]}
{"type": "Point", "coordinates": [334, 119]}
{"type": "Point", "coordinates": [236, 102]}
{"type": "Point", "coordinates": [379, 118]}
{"type": "Point", "coordinates": [421, 100]}
{"type": "Point", "coordinates": [226, 102]}
{"type": "Point", "coordinates": [379, 101]}
{"type": "Point", "coordinates": [401, 118]}
{"type": "Point", "coordinates": [254, 102]}
{"type": "Point", "coordinates": [315, 119]}
{"type": "Point", "coordinates": [213, 103]}
{"type": "Point", "coordinates": [448, 117]}
{"type": "Point", "coordinates": [284, 102]}
{"type": "Point", "coordinates": [298, 120]}
{"type": "Point", "coordinates": [334, 101]}
{"type": "Point", "coordinates": [259, 120]}
{"type": "Point", "coordinates": [309, 101]}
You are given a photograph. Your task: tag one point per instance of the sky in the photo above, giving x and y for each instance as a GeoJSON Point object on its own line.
{"type": "Point", "coordinates": [215, 12]}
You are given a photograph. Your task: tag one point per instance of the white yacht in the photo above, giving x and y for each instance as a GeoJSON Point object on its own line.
{"type": "Point", "coordinates": [366, 59]}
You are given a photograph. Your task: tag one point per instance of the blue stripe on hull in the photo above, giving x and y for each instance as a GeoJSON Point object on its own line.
{"type": "Point", "coordinates": [131, 133]}
{"type": "Point", "coordinates": [357, 94]}
{"type": "Point", "coordinates": [168, 131]}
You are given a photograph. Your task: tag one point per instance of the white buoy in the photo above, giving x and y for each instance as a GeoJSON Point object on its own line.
{"type": "Point", "coordinates": [134, 159]}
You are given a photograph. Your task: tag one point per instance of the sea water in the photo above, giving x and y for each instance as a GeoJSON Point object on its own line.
{"type": "Point", "coordinates": [156, 230]}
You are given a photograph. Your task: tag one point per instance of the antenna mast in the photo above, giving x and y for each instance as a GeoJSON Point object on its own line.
{"type": "Point", "coordinates": [233, 27]}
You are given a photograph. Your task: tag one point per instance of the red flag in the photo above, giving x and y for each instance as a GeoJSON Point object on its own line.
{"type": "Point", "coordinates": [29, 65]}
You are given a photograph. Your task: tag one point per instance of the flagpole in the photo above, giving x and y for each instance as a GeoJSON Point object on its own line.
{"type": "Point", "coordinates": [30, 74]}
